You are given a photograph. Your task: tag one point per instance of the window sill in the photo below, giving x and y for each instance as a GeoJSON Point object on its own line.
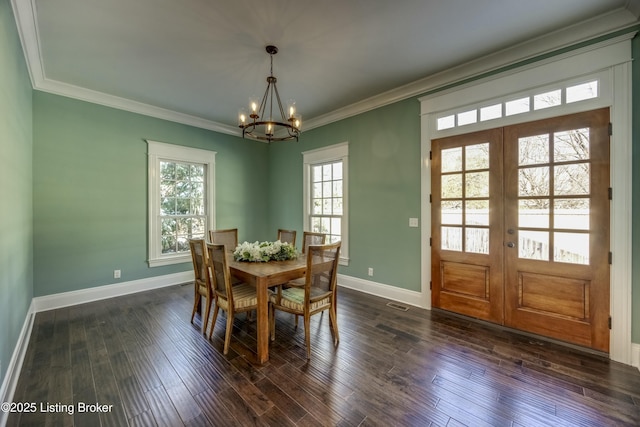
{"type": "Point", "coordinates": [170, 260]}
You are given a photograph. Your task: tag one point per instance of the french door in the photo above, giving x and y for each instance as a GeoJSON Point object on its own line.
{"type": "Point", "coordinates": [521, 227]}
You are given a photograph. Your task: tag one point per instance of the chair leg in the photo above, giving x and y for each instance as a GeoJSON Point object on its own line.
{"type": "Point", "coordinates": [213, 321]}
{"type": "Point", "coordinates": [307, 334]}
{"type": "Point", "coordinates": [227, 335]}
{"type": "Point", "coordinates": [205, 322]}
{"type": "Point", "coordinates": [296, 320]}
{"type": "Point", "coordinates": [333, 321]}
{"type": "Point", "coordinates": [196, 301]}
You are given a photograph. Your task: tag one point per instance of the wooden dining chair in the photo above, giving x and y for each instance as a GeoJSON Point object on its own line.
{"type": "Point", "coordinates": [202, 283]}
{"type": "Point", "coordinates": [317, 295]}
{"type": "Point", "coordinates": [232, 299]}
{"type": "Point", "coordinates": [287, 236]}
{"type": "Point", "coordinates": [227, 237]}
{"type": "Point", "coordinates": [311, 238]}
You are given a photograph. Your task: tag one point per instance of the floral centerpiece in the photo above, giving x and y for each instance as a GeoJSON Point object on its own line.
{"type": "Point", "coordinates": [265, 251]}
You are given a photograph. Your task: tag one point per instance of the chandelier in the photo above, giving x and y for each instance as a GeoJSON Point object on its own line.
{"type": "Point", "coordinates": [267, 120]}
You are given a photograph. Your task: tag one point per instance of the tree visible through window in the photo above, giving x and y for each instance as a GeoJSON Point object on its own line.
{"type": "Point", "coordinates": [182, 205]}
{"type": "Point", "coordinates": [181, 200]}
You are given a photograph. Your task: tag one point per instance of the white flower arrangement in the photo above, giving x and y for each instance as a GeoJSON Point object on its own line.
{"type": "Point", "coordinates": [265, 251]}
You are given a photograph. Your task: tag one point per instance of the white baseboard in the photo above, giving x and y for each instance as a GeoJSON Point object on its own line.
{"type": "Point", "coordinates": [65, 299]}
{"type": "Point", "coordinates": [381, 290]}
{"type": "Point", "coordinates": [15, 364]}
{"type": "Point", "coordinates": [635, 355]}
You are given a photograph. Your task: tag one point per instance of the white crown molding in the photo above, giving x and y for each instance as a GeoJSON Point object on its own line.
{"type": "Point", "coordinates": [633, 6]}
{"type": "Point", "coordinates": [617, 20]}
{"type": "Point", "coordinates": [25, 14]}
{"type": "Point", "coordinates": [95, 97]}
{"type": "Point", "coordinates": [26, 18]}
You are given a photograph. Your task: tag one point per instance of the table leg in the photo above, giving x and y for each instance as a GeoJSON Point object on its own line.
{"type": "Point", "coordinates": [262, 321]}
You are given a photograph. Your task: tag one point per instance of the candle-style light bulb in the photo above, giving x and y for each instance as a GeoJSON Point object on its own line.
{"type": "Point", "coordinates": [253, 105]}
{"type": "Point", "coordinates": [291, 106]}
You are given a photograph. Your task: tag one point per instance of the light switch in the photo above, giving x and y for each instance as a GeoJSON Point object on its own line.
{"type": "Point", "coordinates": [413, 222]}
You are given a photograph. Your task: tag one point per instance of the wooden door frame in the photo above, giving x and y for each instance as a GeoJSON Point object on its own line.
{"type": "Point", "coordinates": [612, 56]}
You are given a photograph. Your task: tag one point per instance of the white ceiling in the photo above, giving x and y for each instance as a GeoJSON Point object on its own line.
{"type": "Point", "coordinates": [199, 61]}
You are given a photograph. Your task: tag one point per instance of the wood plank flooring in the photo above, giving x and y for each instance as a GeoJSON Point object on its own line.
{"type": "Point", "coordinates": [140, 354]}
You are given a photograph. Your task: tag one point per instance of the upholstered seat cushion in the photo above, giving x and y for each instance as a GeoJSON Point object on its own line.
{"type": "Point", "coordinates": [244, 295]}
{"type": "Point", "coordinates": [293, 298]}
{"type": "Point", "coordinates": [298, 283]}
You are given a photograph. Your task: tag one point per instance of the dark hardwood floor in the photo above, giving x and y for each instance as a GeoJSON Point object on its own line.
{"type": "Point", "coordinates": [140, 354]}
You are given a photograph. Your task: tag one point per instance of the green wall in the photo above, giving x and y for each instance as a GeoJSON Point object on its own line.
{"type": "Point", "coordinates": [635, 250]}
{"type": "Point", "coordinates": [16, 225]}
{"type": "Point", "coordinates": [74, 177]}
{"type": "Point", "coordinates": [384, 186]}
{"type": "Point", "coordinates": [90, 191]}
{"type": "Point", "coordinates": [384, 190]}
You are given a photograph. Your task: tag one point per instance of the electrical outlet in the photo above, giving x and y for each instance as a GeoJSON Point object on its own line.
{"type": "Point", "coordinates": [370, 272]}
{"type": "Point", "coordinates": [413, 222]}
{"type": "Point", "coordinates": [116, 274]}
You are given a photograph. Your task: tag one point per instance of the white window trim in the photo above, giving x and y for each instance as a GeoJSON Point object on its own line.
{"type": "Point", "coordinates": [158, 151]}
{"type": "Point", "coordinates": [611, 60]}
{"type": "Point", "coordinates": [603, 99]}
{"type": "Point", "coordinates": [324, 155]}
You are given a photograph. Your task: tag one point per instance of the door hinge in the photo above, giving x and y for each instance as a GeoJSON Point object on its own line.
{"type": "Point", "coordinates": [610, 193]}
{"type": "Point", "coordinates": [609, 322]}
{"type": "Point", "coordinates": [430, 285]}
{"type": "Point", "coordinates": [430, 155]}
{"type": "Point", "coordinates": [610, 128]}
{"type": "Point", "coordinates": [430, 241]}
{"type": "Point", "coordinates": [430, 198]}
{"type": "Point", "coordinates": [610, 258]}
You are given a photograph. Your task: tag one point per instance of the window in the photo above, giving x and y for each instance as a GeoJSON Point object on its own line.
{"type": "Point", "coordinates": [181, 195]}
{"type": "Point", "coordinates": [539, 98]}
{"type": "Point", "coordinates": [325, 194]}
{"type": "Point", "coordinates": [326, 199]}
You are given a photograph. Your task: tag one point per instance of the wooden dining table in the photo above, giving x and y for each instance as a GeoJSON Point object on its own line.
{"type": "Point", "coordinates": [264, 275]}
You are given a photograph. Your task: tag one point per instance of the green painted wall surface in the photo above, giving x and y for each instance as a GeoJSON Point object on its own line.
{"type": "Point", "coordinates": [384, 190]}
{"type": "Point", "coordinates": [85, 168]}
{"type": "Point", "coordinates": [635, 245]}
{"type": "Point", "coordinates": [16, 222]}
{"type": "Point", "coordinates": [90, 191]}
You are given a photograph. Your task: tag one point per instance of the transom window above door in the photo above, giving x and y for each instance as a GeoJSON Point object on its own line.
{"type": "Point", "coordinates": [530, 101]}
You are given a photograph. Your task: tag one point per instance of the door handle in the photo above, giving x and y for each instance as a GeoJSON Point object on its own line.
{"type": "Point", "coordinates": [511, 245]}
